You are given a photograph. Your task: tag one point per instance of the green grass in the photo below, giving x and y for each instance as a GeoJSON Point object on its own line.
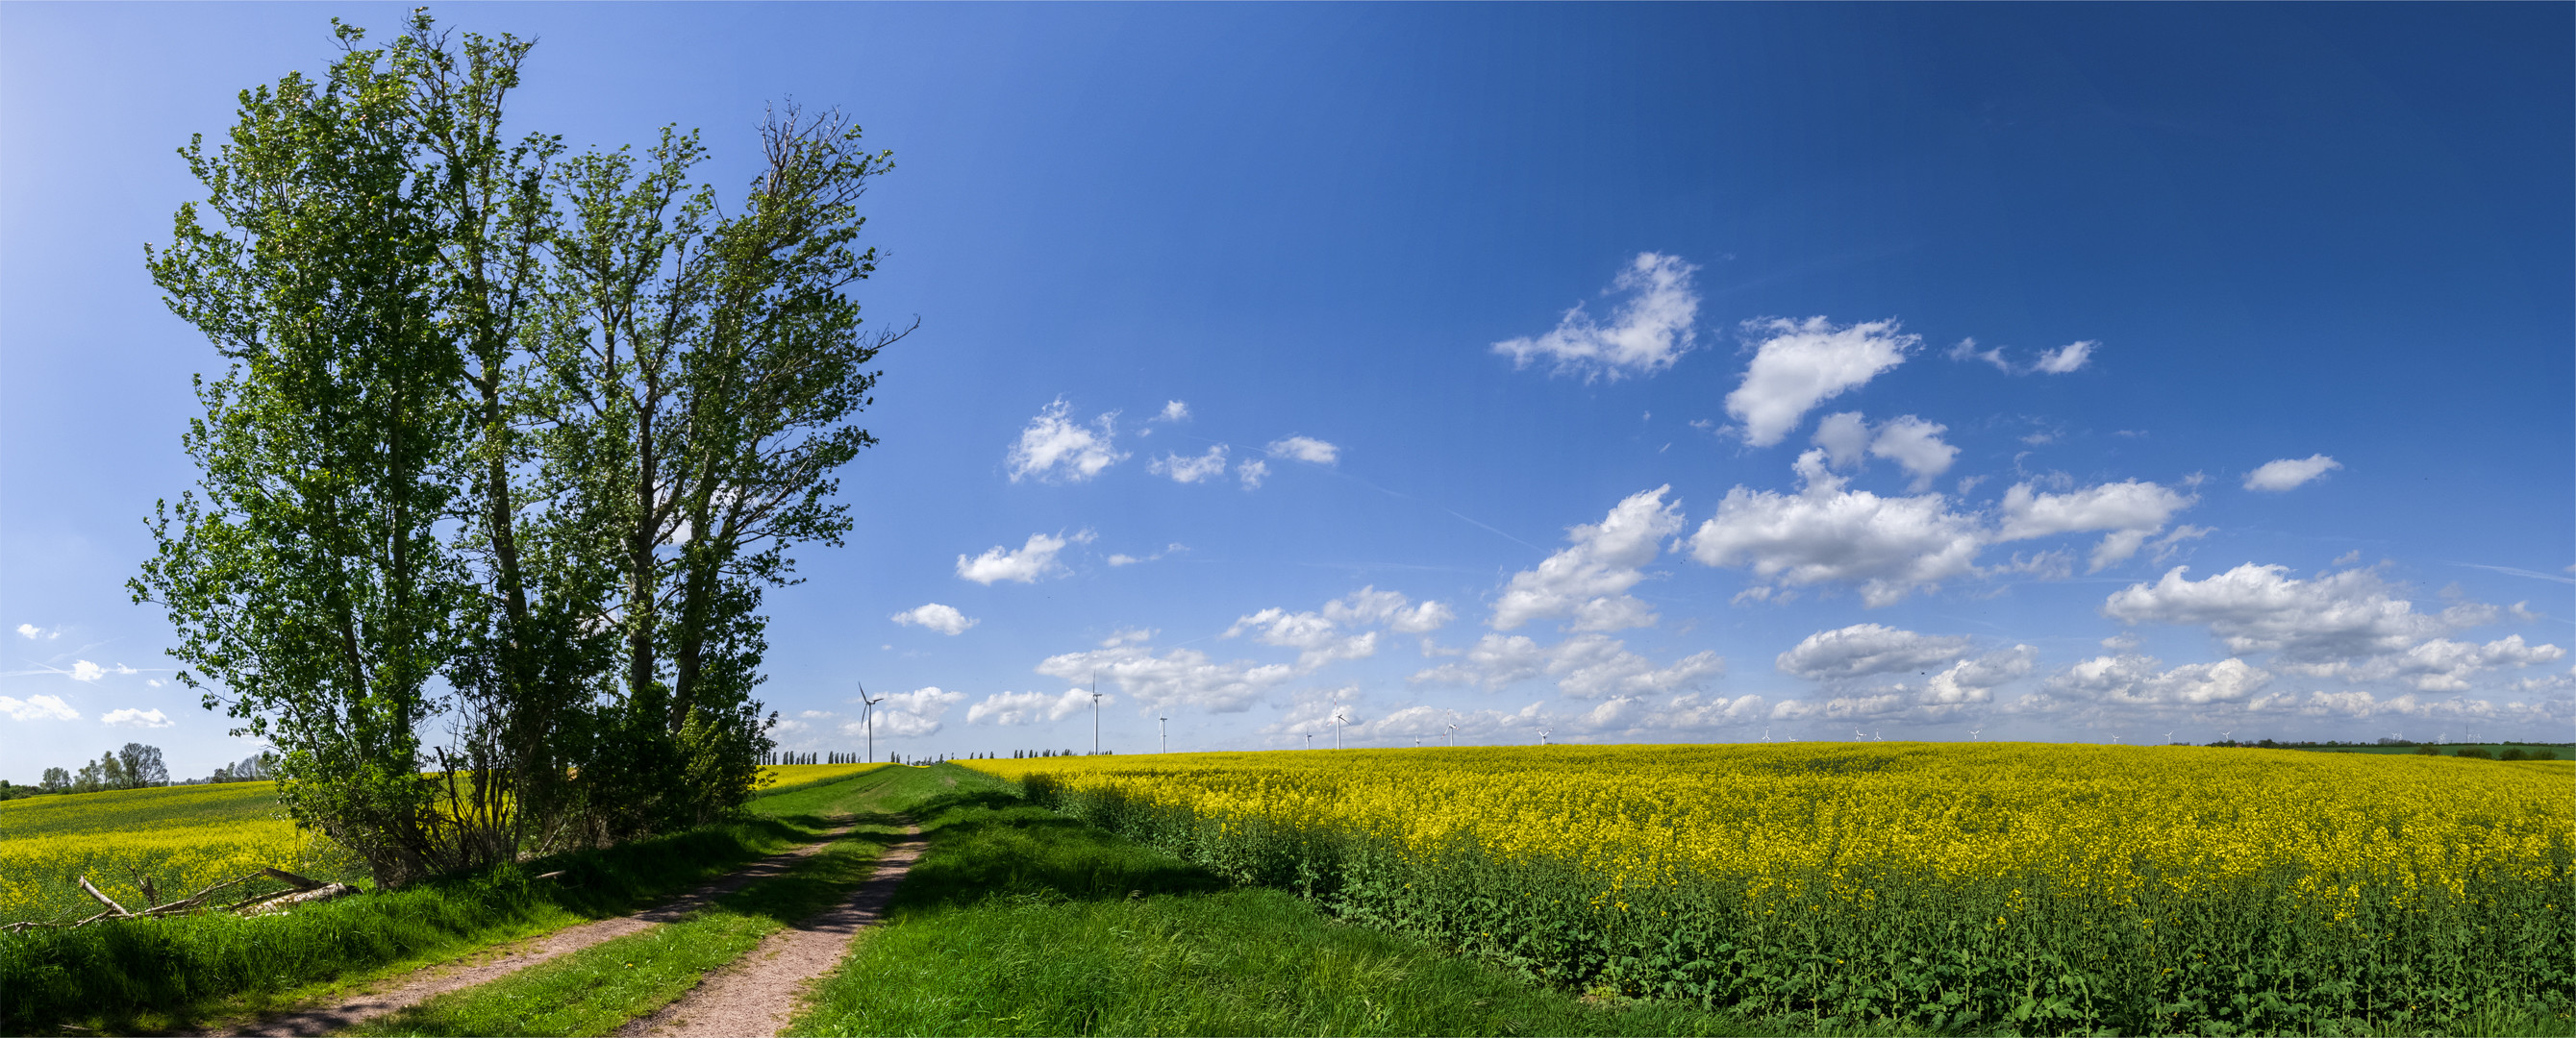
{"type": "Point", "coordinates": [1020, 921]}
{"type": "Point", "coordinates": [181, 973]}
{"type": "Point", "coordinates": [597, 990]}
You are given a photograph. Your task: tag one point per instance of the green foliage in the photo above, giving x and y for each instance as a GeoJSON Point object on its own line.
{"type": "Point", "coordinates": [1020, 921]}
{"type": "Point", "coordinates": [168, 973]}
{"type": "Point", "coordinates": [2250, 957]}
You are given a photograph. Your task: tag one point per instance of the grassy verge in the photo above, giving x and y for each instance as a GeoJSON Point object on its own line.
{"type": "Point", "coordinates": [181, 973]}
{"type": "Point", "coordinates": [1022, 922]}
{"type": "Point", "coordinates": [597, 990]}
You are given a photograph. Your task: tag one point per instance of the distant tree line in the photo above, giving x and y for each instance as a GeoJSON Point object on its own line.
{"type": "Point", "coordinates": [133, 767]}
{"type": "Point", "coordinates": [510, 444]}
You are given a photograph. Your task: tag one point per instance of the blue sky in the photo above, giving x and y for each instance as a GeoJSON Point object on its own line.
{"type": "Point", "coordinates": [1658, 373]}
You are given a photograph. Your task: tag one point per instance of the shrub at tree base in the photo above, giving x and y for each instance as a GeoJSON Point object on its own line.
{"type": "Point", "coordinates": [2045, 889]}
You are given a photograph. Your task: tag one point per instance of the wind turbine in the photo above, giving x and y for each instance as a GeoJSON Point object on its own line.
{"type": "Point", "coordinates": [1543, 733]}
{"type": "Point", "coordinates": [868, 713]}
{"type": "Point", "coordinates": [2168, 736]}
{"type": "Point", "coordinates": [1095, 711]}
{"type": "Point", "coordinates": [1453, 736]}
{"type": "Point", "coordinates": [1339, 722]}
{"type": "Point", "coordinates": [2229, 735]}
{"type": "Point", "coordinates": [1973, 733]}
{"type": "Point", "coordinates": [1766, 733]}
{"type": "Point", "coordinates": [1166, 731]}
{"type": "Point", "coordinates": [1859, 736]}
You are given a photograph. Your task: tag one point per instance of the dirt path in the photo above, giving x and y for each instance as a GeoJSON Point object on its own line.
{"type": "Point", "coordinates": [757, 993]}
{"type": "Point", "coordinates": [399, 992]}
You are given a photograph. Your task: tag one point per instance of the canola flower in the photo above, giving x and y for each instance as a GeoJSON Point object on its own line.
{"type": "Point", "coordinates": [2045, 886]}
{"type": "Point", "coordinates": [182, 837]}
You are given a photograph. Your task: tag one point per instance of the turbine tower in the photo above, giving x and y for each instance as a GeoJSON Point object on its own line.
{"type": "Point", "coordinates": [868, 714]}
{"type": "Point", "coordinates": [1166, 732]}
{"type": "Point", "coordinates": [1095, 711]}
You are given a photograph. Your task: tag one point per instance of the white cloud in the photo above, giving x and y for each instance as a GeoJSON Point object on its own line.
{"type": "Point", "coordinates": [2064, 359]}
{"type": "Point", "coordinates": [130, 718]}
{"type": "Point", "coordinates": [1190, 470]}
{"type": "Point", "coordinates": [1124, 559]}
{"type": "Point", "coordinates": [1889, 546]}
{"type": "Point", "coordinates": [1586, 666]}
{"type": "Point", "coordinates": [1173, 411]}
{"type": "Point", "coordinates": [1370, 606]}
{"type": "Point", "coordinates": [1033, 560]}
{"type": "Point", "coordinates": [84, 670]}
{"type": "Point", "coordinates": [1650, 330]}
{"type": "Point", "coordinates": [1861, 650]}
{"type": "Point", "coordinates": [2356, 705]}
{"type": "Point", "coordinates": [1916, 445]}
{"type": "Point", "coordinates": [1589, 580]}
{"type": "Point", "coordinates": [2287, 473]}
{"type": "Point", "coordinates": [37, 708]}
{"type": "Point", "coordinates": [2443, 665]}
{"type": "Point", "coordinates": [1845, 438]}
{"type": "Point", "coordinates": [35, 633]}
{"type": "Point", "coordinates": [2133, 511]}
{"type": "Point", "coordinates": [1322, 637]}
{"type": "Point", "coordinates": [1306, 449]}
{"type": "Point", "coordinates": [1055, 449]}
{"type": "Point", "coordinates": [943, 619]}
{"type": "Point", "coordinates": [1024, 708]}
{"type": "Point", "coordinates": [2130, 679]}
{"type": "Point", "coordinates": [1252, 471]}
{"type": "Point", "coordinates": [1180, 677]}
{"type": "Point", "coordinates": [2337, 616]}
{"type": "Point", "coordinates": [1805, 363]}
{"type": "Point", "coordinates": [913, 713]}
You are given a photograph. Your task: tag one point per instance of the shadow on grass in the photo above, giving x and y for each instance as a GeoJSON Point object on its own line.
{"type": "Point", "coordinates": [990, 845]}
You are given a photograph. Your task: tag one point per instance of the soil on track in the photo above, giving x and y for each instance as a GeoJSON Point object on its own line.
{"type": "Point", "coordinates": [492, 964]}
{"type": "Point", "coordinates": [758, 993]}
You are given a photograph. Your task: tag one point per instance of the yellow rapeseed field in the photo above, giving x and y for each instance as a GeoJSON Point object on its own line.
{"type": "Point", "coordinates": [2042, 887]}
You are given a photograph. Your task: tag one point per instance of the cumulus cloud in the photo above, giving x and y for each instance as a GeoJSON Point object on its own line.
{"type": "Point", "coordinates": [1588, 581]}
{"type": "Point", "coordinates": [1888, 546]}
{"type": "Point", "coordinates": [2288, 473]}
{"type": "Point", "coordinates": [1861, 650]}
{"type": "Point", "coordinates": [1306, 449]}
{"type": "Point", "coordinates": [37, 708]}
{"type": "Point", "coordinates": [1800, 364]}
{"type": "Point", "coordinates": [1033, 560]}
{"type": "Point", "coordinates": [2064, 359]}
{"type": "Point", "coordinates": [1026, 708]}
{"type": "Point", "coordinates": [2355, 705]}
{"type": "Point", "coordinates": [1252, 471]}
{"type": "Point", "coordinates": [35, 633]}
{"type": "Point", "coordinates": [1056, 449]}
{"type": "Point", "coordinates": [1124, 559]}
{"type": "Point", "coordinates": [1915, 445]}
{"type": "Point", "coordinates": [1210, 465]}
{"type": "Point", "coordinates": [1585, 666]}
{"type": "Point", "coordinates": [1955, 689]}
{"type": "Point", "coordinates": [2130, 679]}
{"type": "Point", "coordinates": [1909, 441]}
{"type": "Point", "coordinates": [2349, 624]}
{"type": "Point", "coordinates": [2133, 511]}
{"type": "Point", "coordinates": [1967, 350]}
{"type": "Point", "coordinates": [84, 670]}
{"type": "Point", "coordinates": [918, 712]}
{"type": "Point", "coordinates": [1173, 411]}
{"type": "Point", "coordinates": [2253, 608]}
{"type": "Point", "coordinates": [130, 718]}
{"type": "Point", "coordinates": [943, 619]}
{"type": "Point", "coordinates": [1327, 636]}
{"type": "Point", "coordinates": [1650, 330]}
{"type": "Point", "coordinates": [1180, 677]}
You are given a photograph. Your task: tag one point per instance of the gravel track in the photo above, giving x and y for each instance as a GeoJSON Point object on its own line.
{"type": "Point", "coordinates": [758, 993]}
{"type": "Point", "coordinates": [402, 992]}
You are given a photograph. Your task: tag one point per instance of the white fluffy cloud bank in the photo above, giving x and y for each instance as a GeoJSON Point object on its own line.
{"type": "Point", "coordinates": [915, 713]}
{"type": "Point", "coordinates": [941, 618]}
{"type": "Point", "coordinates": [1649, 331]}
{"type": "Point", "coordinates": [131, 718]}
{"type": "Point", "coordinates": [2132, 511]}
{"type": "Point", "coordinates": [1306, 449]}
{"type": "Point", "coordinates": [2349, 624]}
{"type": "Point", "coordinates": [1026, 708]}
{"type": "Point", "coordinates": [2289, 473]}
{"type": "Point", "coordinates": [1887, 546]}
{"type": "Point", "coordinates": [1912, 443]}
{"type": "Point", "coordinates": [1861, 650]}
{"type": "Point", "coordinates": [1800, 364]}
{"type": "Point", "coordinates": [1585, 666]}
{"type": "Point", "coordinates": [1056, 449]}
{"type": "Point", "coordinates": [1182, 469]}
{"type": "Point", "coordinates": [37, 708]}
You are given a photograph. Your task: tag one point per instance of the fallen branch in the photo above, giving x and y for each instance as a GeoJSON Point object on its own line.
{"type": "Point", "coordinates": [279, 902]}
{"type": "Point", "coordinates": [300, 882]}
{"type": "Point", "coordinates": [197, 901]}
{"type": "Point", "coordinates": [103, 898]}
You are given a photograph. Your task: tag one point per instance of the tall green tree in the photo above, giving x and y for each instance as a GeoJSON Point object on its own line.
{"type": "Point", "coordinates": [307, 575]}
